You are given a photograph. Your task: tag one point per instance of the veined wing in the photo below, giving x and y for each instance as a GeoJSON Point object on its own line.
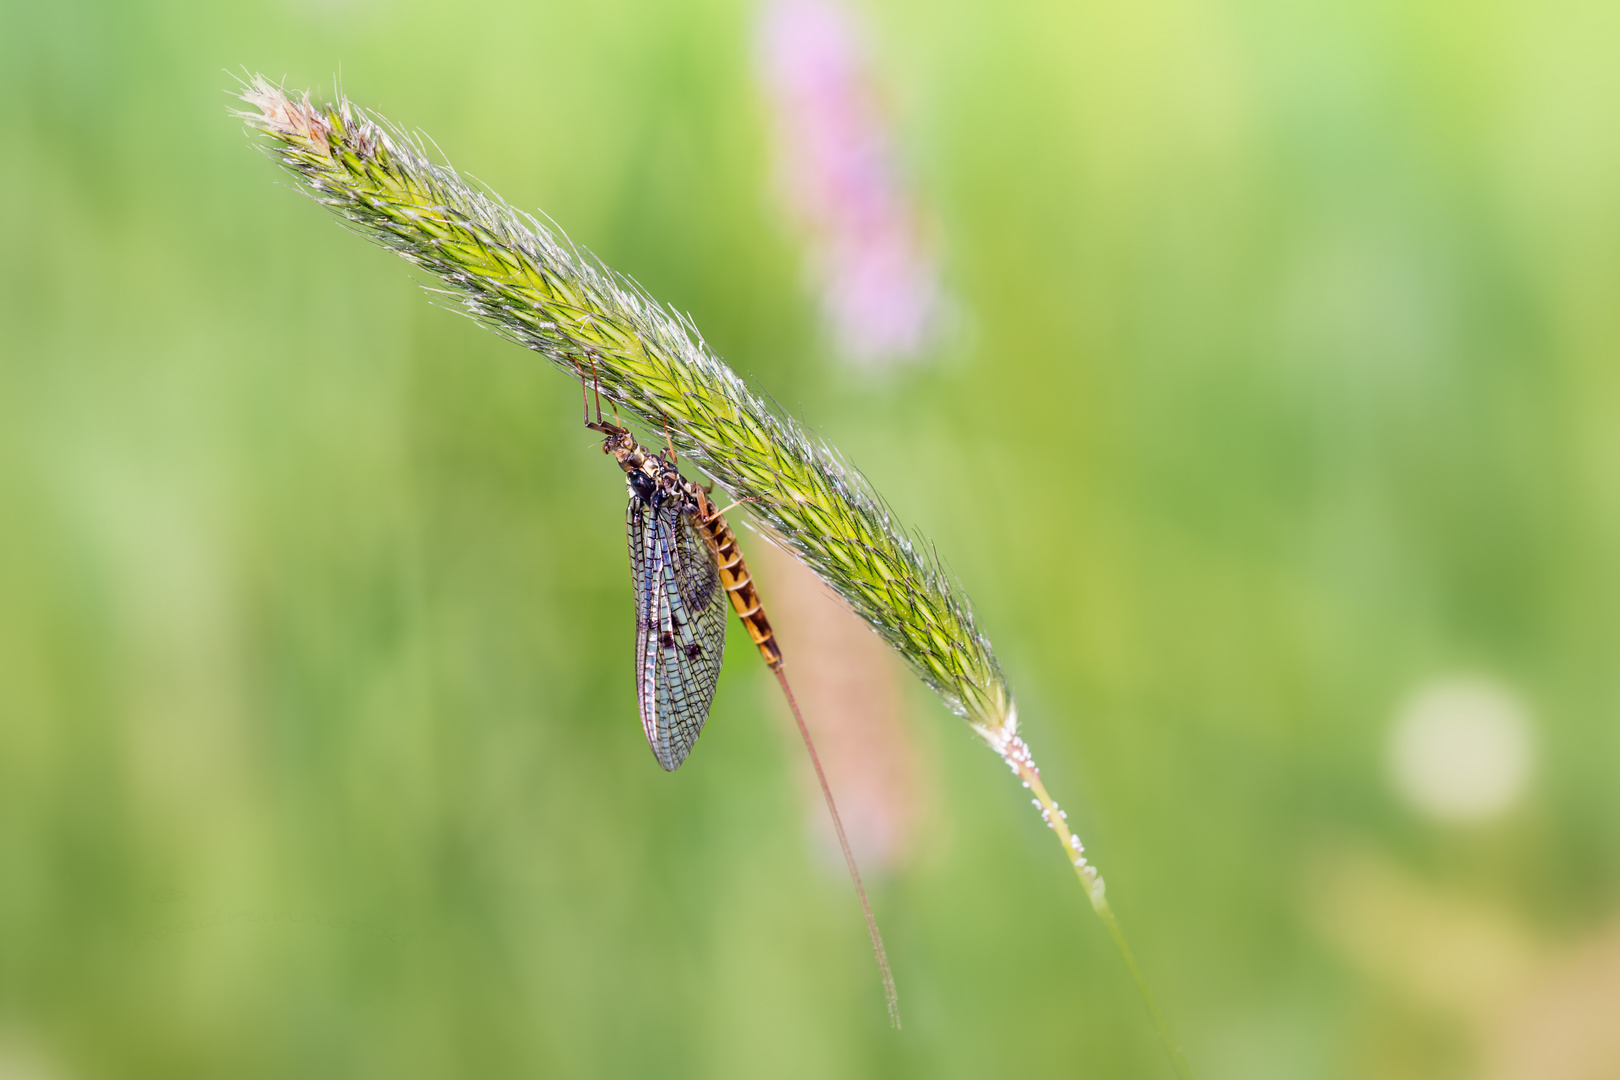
{"type": "Point", "coordinates": [680, 626]}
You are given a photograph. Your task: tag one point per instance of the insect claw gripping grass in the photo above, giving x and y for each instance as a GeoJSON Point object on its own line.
{"type": "Point", "coordinates": [528, 283]}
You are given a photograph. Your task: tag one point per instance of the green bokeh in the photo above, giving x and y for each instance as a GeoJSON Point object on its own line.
{"type": "Point", "coordinates": [1288, 381]}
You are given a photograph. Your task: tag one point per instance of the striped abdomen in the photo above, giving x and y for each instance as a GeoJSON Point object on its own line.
{"type": "Point", "coordinates": [734, 576]}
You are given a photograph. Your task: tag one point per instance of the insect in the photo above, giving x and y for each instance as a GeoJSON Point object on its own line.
{"type": "Point", "coordinates": [686, 562]}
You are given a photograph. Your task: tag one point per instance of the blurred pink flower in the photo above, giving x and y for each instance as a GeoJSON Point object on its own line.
{"type": "Point", "coordinates": [879, 286]}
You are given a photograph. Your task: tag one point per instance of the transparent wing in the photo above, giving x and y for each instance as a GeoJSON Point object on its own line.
{"type": "Point", "coordinates": [680, 627]}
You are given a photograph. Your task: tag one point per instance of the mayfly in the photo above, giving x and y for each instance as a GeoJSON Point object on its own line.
{"type": "Point", "coordinates": [686, 563]}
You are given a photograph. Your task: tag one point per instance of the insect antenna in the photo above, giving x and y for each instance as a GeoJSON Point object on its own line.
{"type": "Point", "coordinates": [889, 995]}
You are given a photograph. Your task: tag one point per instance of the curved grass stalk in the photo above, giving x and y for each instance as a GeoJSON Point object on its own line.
{"type": "Point", "coordinates": [529, 284]}
{"type": "Point", "coordinates": [1015, 752]}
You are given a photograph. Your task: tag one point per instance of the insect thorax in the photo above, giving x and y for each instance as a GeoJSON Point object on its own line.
{"type": "Point", "coordinates": [651, 478]}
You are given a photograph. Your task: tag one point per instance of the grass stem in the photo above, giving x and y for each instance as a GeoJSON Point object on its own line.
{"type": "Point", "coordinates": [1016, 753]}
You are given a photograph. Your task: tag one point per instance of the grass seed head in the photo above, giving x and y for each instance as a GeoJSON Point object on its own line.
{"type": "Point", "coordinates": [527, 282]}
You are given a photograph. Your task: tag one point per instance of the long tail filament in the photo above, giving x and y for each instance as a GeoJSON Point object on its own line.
{"type": "Point", "coordinates": [849, 856]}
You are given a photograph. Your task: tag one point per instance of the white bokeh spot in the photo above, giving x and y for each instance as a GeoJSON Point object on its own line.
{"type": "Point", "coordinates": [1461, 748]}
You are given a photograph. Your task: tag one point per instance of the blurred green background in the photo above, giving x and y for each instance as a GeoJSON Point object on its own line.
{"type": "Point", "coordinates": [1286, 385]}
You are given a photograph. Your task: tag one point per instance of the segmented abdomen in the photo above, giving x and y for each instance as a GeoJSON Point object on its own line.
{"type": "Point", "coordinates": [735, 578]}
